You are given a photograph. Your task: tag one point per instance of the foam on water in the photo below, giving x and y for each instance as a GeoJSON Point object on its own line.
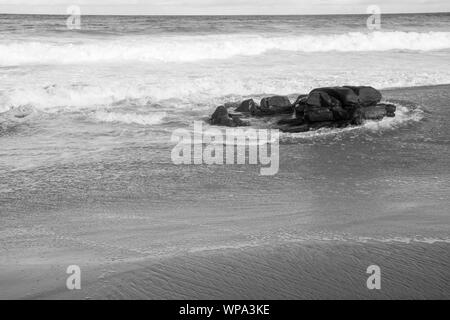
{"type": "Point", "coordinates": [68, 97]}
{"type": "Point", "coordinates": [403, 115]}
{"type": "Point", "coordinates": [206, 92]}
{"type": "Point", "coordinates": [130, 118]}
{"type": "Point", "coordinates": [193, 48]}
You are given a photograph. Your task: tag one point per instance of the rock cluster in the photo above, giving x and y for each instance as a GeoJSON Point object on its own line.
{"type": "Point", "coordinates": [322, 107]}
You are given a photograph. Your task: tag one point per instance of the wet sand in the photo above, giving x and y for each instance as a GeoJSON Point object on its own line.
{"type": "Point", "coordinates": [307, 270]}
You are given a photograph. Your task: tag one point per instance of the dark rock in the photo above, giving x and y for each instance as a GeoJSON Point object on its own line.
{"type": "Point", "coordinates": [340, 113]}
{"type": "Point", "coordinates": [275, 101]}
{"type": "Point", "coordinates": [319, 99]}
{"type": "Point", "coordinates": [239, 122]}
{"type": "Point", "coordinates": [222, 117]}
{"type": "Point", "coordinates": [317, 107]}
{"type": "Point", "coordinates": [343, 123]}
{"type": "Point", "coordinates": [299, 105]}
{"type": "Point", "coordinates": [300, 99]}
{"type": "Point", "coordinates": [390, 109]}
{"type": "Point", "coordinates": [377, 112]}
{"type": "Point", "coordinates": [296, 128]}
{"type": "Point", "coordinates": [323, 124]}
{"type": "Point", "coordinates": [299, 127]}
{"type": "Point", "coordinates": [322, 100]}
{"type": "Point", "coordinates": [367, 96]}
{"type": "Point", "coordinates": [255, 110]}
{"type": "Point", "coordinates": [328, 107]}
{"type": "Point", "coordinates": [346, 96]}
{"type": "Point", "coordinates": [276, 105]}
{"type": "Point", "coordinates": [318, 114]}
{"type": "Point", "coordinates": [291, 121]}
{"type": "Point", "coordinates": [245, 106]}
{"type": "Point", "coordinates": [374, 113]}
{"type": "Point", "coordinates": [357, 118]}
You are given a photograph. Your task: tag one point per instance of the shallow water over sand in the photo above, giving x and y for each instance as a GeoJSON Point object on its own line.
{"type": "Point", "coordinates": [381, 187]}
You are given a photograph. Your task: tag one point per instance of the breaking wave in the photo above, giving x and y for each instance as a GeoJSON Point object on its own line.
{"type": "Point", "coordinates": [193, 48]}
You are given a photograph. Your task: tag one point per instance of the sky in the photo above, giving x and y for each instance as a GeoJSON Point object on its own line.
{"type": "Point", "coordinates": [206, 7]}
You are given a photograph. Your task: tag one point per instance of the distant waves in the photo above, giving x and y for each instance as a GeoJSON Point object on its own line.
{"type": "Point", "coordinates": [182, 48]}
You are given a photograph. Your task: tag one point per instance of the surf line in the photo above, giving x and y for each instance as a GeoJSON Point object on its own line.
{"type": "Point", "coordinates": [214, 146]}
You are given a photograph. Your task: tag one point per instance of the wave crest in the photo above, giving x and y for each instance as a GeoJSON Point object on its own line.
{"type": "Point", "coordinates": [193, 48]}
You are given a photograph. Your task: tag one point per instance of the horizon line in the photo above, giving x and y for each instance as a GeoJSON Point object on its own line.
{"type": "Point", "coordinates": [223, 15]}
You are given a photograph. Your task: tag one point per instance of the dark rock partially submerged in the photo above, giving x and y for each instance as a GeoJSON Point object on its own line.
{"type": "Point", "coordinates": [374, 112]}
{"type": "Point", "coordinates": [367, 96]}
{"type": "Point", "coordinates": [390, 109]}
{"type": "Point", "coordinates": [276, 105]}
{"type": "Point", "coordinates": [223, 118]}
{"type": "Point", "coordinates": [269, 106]}
{"type": "Point", "coordinates": [246, 106]}
{"type": "Point", "coordinates": [346, 96]}
{"type": "Point", "coordinates": [331, 107]}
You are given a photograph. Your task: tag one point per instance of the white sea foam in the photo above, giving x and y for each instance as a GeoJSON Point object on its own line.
{"type": "Point", "coordinates": [205, 92]}
{"type": "Point", "coordinates": [193, 48]}
{"type": "Point", "coordinates": [130, 118]}
{"type": "Point", "coordinates": [403, 115]}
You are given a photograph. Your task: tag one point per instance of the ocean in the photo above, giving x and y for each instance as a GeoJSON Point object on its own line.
{"type": "Point", "coordinates": [86, 176]}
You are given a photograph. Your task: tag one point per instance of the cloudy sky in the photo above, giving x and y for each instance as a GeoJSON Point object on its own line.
{"type": "Point", "coordinates": [221, 6]}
